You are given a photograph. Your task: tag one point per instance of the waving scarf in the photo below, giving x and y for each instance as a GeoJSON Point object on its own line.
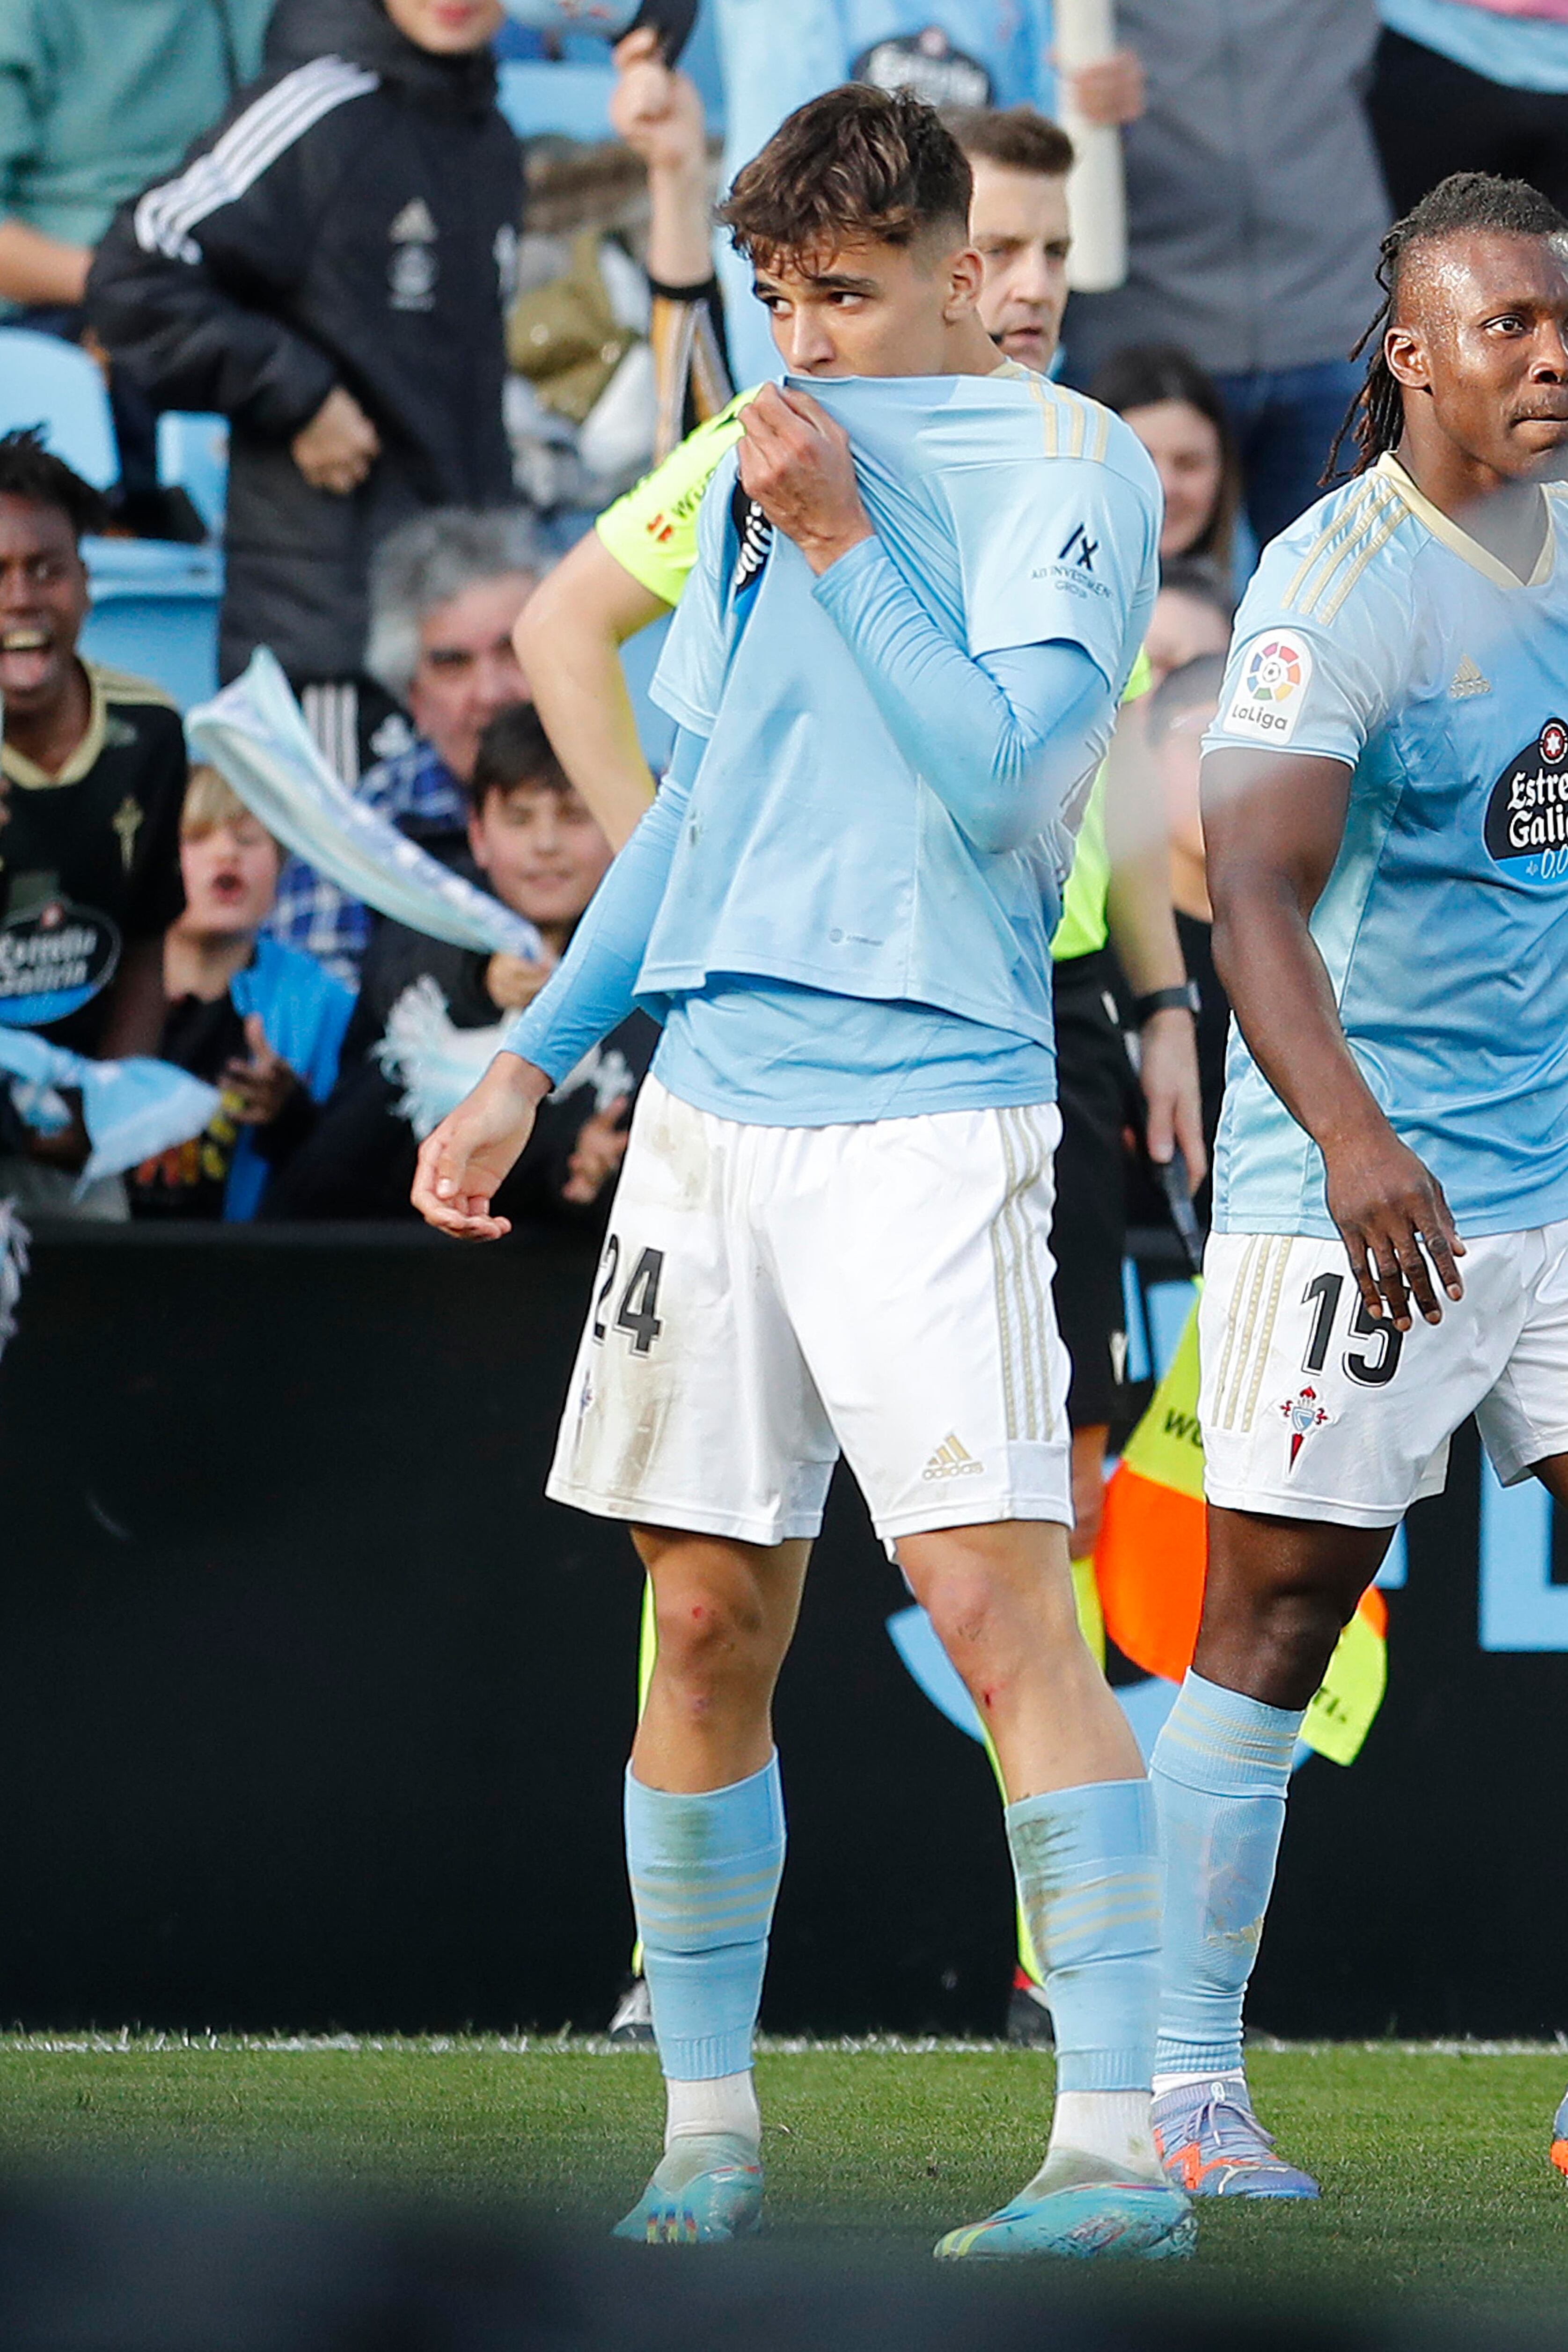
{"type": "Point", "coordinates": [133, 1109]}
{"type": "Point", "coordinates": [255, 735]}
{"type": "Point", "coordinates": [436, 1064]}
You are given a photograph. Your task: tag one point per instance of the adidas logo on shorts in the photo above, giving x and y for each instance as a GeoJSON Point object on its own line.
{"type": "Point", "coordinates": [953, 1459]}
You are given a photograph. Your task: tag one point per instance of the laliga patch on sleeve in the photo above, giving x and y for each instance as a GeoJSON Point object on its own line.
{"type": "Point", "coordinates": [1271, 694]}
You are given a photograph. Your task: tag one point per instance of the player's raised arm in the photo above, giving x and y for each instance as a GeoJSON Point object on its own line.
{"type": "Point", "coordinates": [1272, 827]}
{"type": "Point", "coordinates": [1002, 740]}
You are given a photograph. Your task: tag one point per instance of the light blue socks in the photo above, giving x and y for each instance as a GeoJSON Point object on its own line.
{"type": "Point", "coordinates": [1089, 1879]}
{"type": "Point", "coordinates": [705, 1875]}
{"type": "Point", "coordinates": [1221, 1767]}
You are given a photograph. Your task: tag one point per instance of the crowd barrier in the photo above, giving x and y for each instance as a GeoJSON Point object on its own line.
{"type": "Point", "coordinates": [313, 1712]}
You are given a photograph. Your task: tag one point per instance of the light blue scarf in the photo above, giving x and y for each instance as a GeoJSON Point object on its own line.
{"type": "Point", "coordinates": [133, 1109]}
{"type": "Point", "coordinates": [255, 735]}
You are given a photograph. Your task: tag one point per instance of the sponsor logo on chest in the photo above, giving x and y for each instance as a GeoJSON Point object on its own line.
{"type": "Point", "coordinates": [1527, 813]}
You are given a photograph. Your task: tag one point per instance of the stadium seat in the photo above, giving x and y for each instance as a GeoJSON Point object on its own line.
{"type": "Point", "coordinates": [568, 101]}
{"type": "Point", "coordinates": [154, 612]}
{"type": "Point", "coordinates": [47, 382]}
{"type": "Point", "coordinates": [193, 456]}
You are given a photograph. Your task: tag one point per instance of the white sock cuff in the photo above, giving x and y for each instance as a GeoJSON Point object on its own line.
{"type": "Point", "coordinates": [722, 2103]}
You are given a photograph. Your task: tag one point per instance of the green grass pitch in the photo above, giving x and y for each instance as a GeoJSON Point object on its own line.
{"type": "Point", "coordinates": [1433, 2160]}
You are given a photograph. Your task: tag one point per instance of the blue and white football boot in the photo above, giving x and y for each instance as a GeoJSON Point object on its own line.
{"type": "Point", "coordinates": [1141, 2219]}
{"type": "Point", "coordinates": [704, 2192]}
{"type": "Point", "coordinates": [1212, 2145]}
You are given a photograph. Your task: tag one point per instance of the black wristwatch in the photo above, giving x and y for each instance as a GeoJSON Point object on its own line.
{"type": "Point", "coordinates": [1184, 999]}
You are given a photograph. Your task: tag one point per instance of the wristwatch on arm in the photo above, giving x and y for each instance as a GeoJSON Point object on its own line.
{"type": "Point", "coordinates": [1184, 999]}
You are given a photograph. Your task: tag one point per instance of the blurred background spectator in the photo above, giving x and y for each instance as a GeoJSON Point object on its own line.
{"type": "Point", "coordinates": [329, 271]}
{"type": "Point", "coordinates": [1175, 410]}
{"type": "Point", "coordinates": [616, 339]}
{"type": "Point", "coordinates": [959, 53]}
{"type": "Point", "coordinates": [98, 97]}
{"type": "Point", "coordinates": [257, 1021]}
{"type": "Point", "coordinates": [1472, 86]}
{"type": "Point", "coordinates": [1192, 614]}
{"type": "Point", "coordinates": [446, 591]}
{"type": "Point", "coordinates": [533, 843]}
{"type": "Point", "coordinates": [1255, 210]}
{"type": "Point", "coordinates": [1180, 709]}
{"type": "Point", "coordinates": [94, 770]}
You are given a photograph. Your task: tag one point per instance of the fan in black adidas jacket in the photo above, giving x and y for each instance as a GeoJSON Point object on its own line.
{"type": "Point", "coordinates": [350, 226]}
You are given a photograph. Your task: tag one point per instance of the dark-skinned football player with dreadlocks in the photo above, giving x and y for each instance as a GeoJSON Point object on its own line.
{"type": "Point", "coordinates": [1385, 808]}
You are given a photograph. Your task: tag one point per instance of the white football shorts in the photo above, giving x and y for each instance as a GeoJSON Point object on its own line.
{"type": "Point", "coordinates": [768, 1296]}
{"type": "Point", "coordinates": [1311, 1410]}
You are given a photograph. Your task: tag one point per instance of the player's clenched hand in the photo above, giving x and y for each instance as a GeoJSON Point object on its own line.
{"type": "Point", "coordinates": [795, 462]}
{"type": "Point", "coordinates": [464, 1162]}
{"type": "Point", "coordinates": [1390, 1210]}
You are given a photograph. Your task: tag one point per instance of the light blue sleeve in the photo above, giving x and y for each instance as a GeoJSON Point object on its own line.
{"type": "Point", "coordinates": [1066, 551]}
{"type": "Point", "coordinates": [1002, 741]}
{"type": "Point", "coordinates": [690, 678]}
{"type": "Point", "coordinates": [595, 986]}
{"type": "Point", "coordinates": [1296, 686]}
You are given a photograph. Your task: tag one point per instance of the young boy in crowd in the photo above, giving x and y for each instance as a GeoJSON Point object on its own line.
{"type": "Point", "coordinates": [259, 1021]}
{"type": "Point", "coordinates": [536, 845]}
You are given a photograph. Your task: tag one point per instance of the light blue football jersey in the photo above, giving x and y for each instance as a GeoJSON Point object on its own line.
{"type": "Point", "coordinates": [1378, 633]}
{"type": "Point", "coordinates": [1017, 514]}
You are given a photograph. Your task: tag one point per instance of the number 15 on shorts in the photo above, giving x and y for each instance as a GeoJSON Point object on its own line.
{"type": "Point", "coordinates": [1370, 1368]}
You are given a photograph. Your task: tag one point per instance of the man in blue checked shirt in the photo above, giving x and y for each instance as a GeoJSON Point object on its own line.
{"type": "Point", "coordinates": [446, 591]}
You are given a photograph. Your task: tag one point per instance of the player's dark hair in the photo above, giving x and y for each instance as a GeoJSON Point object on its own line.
{"type": "Point", "coordinates": [1464, 200]}
{"type": "Point", "coordinates": [855, 162]}
{"type": "Point", "coordinates": [515, 749]}
{"type": "Point", "coordinates": [1014, 136]}
{"type": "Point", "coordinates": [1195, 686]}
{"type": "Point", "coordinates": [29, 470]}
{"type": "Point", "coordinates": [1140, 376]}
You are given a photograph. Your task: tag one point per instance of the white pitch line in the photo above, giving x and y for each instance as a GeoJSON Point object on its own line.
{"type": "Point", "coordinates": [128, 2043]}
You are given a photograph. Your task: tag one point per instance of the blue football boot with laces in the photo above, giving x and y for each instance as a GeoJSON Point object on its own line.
{"type": "Point", "coordinates": [704, 2192]}
{"type": "Point", "coordinates": [1138, 2219]}
{"type": "Point", "coordinates": [1212, 2145]}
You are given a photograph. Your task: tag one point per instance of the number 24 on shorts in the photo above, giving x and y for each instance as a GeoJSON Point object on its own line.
{"type": "Point", "coordinates": [1371, 1369]}
{"type": "Point", "coordinates": [636, 1312]}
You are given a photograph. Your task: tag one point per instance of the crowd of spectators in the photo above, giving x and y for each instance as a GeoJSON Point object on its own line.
{"type": "Point", "coordinates": [440, 350]}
